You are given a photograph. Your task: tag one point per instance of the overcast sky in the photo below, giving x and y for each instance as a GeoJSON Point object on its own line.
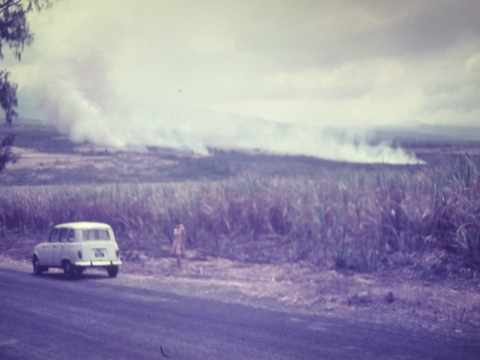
{"type": "Point", "coordinates": [326, 63]}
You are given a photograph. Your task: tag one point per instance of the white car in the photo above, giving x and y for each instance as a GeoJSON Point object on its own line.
{"type": "Point", "coordinates": [76, 246]}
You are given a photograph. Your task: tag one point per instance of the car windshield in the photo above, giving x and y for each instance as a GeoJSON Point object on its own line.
{"type": "Point", "coordinates": [95, 234]}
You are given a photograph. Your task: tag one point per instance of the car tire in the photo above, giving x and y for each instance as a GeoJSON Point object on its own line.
{"type": "Point", "coordinates": [112, 271]}
{"type": "Point", "coordinates": [70, 270]}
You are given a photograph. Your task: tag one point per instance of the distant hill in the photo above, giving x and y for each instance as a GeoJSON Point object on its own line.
{"type": "Point", "coordinates": [426, 134]}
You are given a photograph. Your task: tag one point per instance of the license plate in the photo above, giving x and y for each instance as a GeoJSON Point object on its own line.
{"type": "Point", "coordinates": [99, 253]}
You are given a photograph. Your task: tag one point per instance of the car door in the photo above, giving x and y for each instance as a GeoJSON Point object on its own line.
{"type": "Point", "coordinates": [51, 247]}
{"type": "Point", "coordinates": [67, 244]}
{"type": "Point", "coordinates": [59, 247]}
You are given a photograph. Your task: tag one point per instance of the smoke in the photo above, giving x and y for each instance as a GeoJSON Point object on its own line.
{"type": "Point", "coordinates": [157, 74]}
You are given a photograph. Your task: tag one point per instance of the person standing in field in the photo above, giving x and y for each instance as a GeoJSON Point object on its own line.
{"type": "Point", "coordinates": [179, 240]}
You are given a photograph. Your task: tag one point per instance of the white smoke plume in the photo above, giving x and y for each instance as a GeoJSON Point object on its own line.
{"type": "Point", "coordinates": [153, 73]}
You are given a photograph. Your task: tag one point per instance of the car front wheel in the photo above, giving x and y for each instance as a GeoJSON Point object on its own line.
{"type": "Point", "coordinates": [37, 268]}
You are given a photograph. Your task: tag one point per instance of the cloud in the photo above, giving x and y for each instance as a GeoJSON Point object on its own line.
{"type": "Point", "coordinates": [454, 96]}
{"type": "Point", "coordinates": [473, 65]}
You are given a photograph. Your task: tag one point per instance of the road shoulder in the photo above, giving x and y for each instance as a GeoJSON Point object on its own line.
{"type": "Point", "coordinates": [446, 308]}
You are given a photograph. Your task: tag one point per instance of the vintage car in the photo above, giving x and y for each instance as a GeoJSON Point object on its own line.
{"type": "Point", "coordinates": [76, 246]}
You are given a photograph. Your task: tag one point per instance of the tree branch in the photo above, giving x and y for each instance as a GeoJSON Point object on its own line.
{"type": "Point", "coordinates": [9, 3]}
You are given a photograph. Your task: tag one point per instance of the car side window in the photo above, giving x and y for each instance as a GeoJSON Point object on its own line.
{"type": "Point", "coordinates": [95, 234]}
{"type": "Point", "coordinates": [63, 237]}
{"type": "Point", "coordinates": [53, 235]}
{"type": "Point", "coordinates": [70, 235]}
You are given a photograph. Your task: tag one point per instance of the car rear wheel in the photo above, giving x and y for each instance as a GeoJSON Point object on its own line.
{"type": "Point", "coordinates": [112, 271]}
{"type": "Point", "coordinates": [70, 270]}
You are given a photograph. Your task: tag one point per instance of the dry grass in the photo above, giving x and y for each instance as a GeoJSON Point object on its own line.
{"type": "Point", "coordinates": [394, 297]}
{"type": "Point", "coordinates": [360, 220]}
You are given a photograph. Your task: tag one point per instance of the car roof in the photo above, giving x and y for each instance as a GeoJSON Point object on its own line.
{"type": "Point", "coordinates": [83, 225]}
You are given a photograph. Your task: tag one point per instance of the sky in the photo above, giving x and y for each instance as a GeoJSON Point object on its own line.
{"type": "Point", "coordinates": [198, 73]}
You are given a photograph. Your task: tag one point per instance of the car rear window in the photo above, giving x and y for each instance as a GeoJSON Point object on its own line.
{"type": "Point", "coordinates": [95, 234]}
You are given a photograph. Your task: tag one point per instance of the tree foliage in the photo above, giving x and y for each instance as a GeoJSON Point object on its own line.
{"type": "Point", "coordinates": [8, 97]}
{"type": "Point", "coordinates": [6, 154]}
{"type": "Point", "coordinates": [14, 34]}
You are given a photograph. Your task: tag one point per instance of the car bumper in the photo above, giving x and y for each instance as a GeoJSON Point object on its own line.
{"type": "Point", "coordinates": [92, 263]}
